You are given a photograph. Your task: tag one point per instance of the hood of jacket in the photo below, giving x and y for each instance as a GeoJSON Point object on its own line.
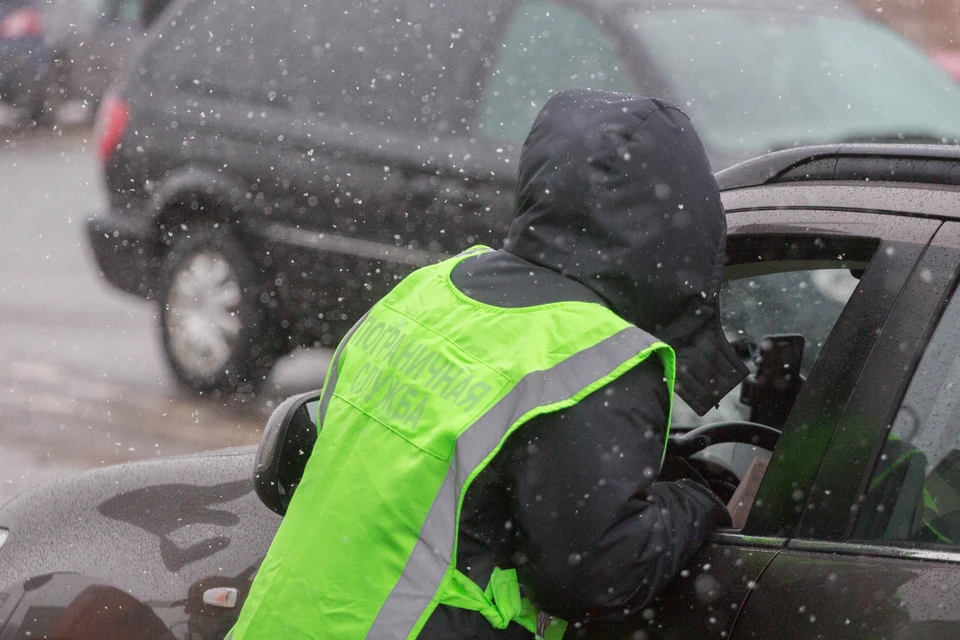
{"type": "Point", "coordinates": [616, 192]}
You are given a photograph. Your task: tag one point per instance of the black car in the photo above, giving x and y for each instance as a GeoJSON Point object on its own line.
{"type": "Point", "coordinates": [26, 59]}
{"type": "Point", "coordinates": [57, 50]}
{"type": "Point", "coordinates": [274, 167]}
{"type": "Point", "coordinates": [843, 262]}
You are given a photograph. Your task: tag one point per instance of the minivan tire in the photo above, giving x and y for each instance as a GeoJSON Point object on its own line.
{"type": "Point", "coordinates": [215, 327]}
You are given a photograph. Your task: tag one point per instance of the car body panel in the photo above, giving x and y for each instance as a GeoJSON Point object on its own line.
{"type": "Point", "coordinates": [918, 199]}
{"type": "Point", "coordinates": [705, 599]}
{"type": "Point", "coordinates": [151, 537]}
{"type": "Point", "coordinates": [157, 532]}
{"type": "Point", "coordinates": [848, 593]}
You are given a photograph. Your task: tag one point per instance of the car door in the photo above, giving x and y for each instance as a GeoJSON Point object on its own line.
{"type": "Point", "coordinates": [374, 161]}
{"type": "Point", "coordinates": [833, 277]}
{"type": "Point", "coordinates": [877, 552]}
{"type": "Point", "coordinates": [834, 578]}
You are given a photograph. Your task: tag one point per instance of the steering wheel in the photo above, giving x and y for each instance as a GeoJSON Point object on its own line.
{"type": "Point", "coordinates": [722, 480]}
{"type": "Point", "coordinates": [698, 439]}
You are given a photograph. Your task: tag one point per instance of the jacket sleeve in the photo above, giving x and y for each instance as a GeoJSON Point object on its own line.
{"type": "Point", "coordinates": [597, 535]}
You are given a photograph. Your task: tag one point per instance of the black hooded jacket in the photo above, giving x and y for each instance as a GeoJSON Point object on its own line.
{"type": "Point", "coordinates": [616, 204]}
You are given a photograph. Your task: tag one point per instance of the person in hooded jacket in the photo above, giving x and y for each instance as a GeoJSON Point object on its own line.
{"type": "Point", "coordinates": [619, 220]}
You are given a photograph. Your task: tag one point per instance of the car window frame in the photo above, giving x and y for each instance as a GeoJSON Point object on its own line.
{"type": "Point", "coordinates": [878, 396]}
{"type": "Point", "coordinates": [779, 519]}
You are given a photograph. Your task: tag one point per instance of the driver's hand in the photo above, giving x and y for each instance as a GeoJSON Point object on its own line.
{"type": "Point", "coordinates": [677, 469]}
{"type": "Point", "coordinates": [742, 500]}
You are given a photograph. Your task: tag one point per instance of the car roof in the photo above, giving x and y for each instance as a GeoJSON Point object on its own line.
{"type": "Point", "coordinates": [912, 163]}
{"type": "Point", "coordinates": [912, 179]}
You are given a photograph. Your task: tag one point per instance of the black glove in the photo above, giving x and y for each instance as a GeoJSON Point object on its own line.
{"type": "Point", "coordinates": [677, 469]}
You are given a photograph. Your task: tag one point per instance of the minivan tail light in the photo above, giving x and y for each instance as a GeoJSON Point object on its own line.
{"type": "Point", "coordinates": [111, 125]}
{"type": "Point", "coordinates": [22, 23]}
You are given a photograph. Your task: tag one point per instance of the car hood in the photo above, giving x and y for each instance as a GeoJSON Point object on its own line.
{"type": "Point", "coordinates": [154, 530]}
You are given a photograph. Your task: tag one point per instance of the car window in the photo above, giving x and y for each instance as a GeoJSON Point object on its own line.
{"type": "Point", "coordinates": [778, 309]}
{"type": "Point", "coordinates": [754, 83]}
{"type": "Point", "coordinates": [383, 64]}
{"type": "Point", "coordinates": [128, 12]}
{"type": "Point", "coordinates": [546, 48]}
{"type": "Point", "coordinates": [753, 307]}
{"type": "Point", "coordinates": [914, 491]}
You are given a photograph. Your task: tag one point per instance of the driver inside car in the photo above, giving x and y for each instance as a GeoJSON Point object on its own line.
{"type": "Point", "coordinates": [490, 460]}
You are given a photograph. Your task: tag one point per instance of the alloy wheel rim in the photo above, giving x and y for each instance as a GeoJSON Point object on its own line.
{"type": "Point", "coordinates": [203, 313]}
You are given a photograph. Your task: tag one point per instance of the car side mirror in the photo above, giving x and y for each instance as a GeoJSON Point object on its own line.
{"type": "Point", "coordinates": [286, 445]}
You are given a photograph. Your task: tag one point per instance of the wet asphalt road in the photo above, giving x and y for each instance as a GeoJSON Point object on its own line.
{"type": "Point", "coordinates": [83, 382]}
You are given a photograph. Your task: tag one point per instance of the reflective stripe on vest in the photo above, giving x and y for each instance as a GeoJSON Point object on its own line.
{"type": "Point", "coordinates": [430, 560]}
{"type": "Point", "coordinates": [419, 398]}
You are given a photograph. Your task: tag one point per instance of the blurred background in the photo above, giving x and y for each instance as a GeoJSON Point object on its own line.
{"type": "Point", "coordinates": [83, 376]}
{"type": "Point", "coordinates": [932, 24]}
{"type": "Point", "coordinates": [83, 380]}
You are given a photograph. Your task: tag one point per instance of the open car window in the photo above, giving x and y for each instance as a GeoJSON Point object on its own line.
{"type": "Point", "coordinates": [761, 301]}
{"type": "Point", "coordinates": [781, 299]}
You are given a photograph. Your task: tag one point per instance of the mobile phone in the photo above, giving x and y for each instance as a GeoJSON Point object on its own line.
{"type": "Point", "coordinates": [772, 391]}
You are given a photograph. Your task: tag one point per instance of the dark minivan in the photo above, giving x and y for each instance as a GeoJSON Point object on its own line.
{"type": "Point", "coordinates": [275, 166]}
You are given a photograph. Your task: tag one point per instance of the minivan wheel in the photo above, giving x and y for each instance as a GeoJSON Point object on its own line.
{"type": "Point", "coordinates": [213, 322]}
